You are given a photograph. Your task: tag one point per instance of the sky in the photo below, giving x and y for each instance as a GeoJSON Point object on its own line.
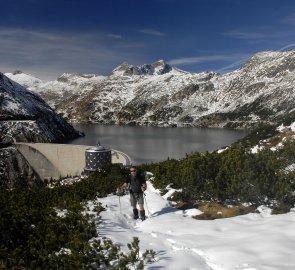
{"type": "Point", "coordinates": [256, 241]}
{"type": "Point", "coordinates": [46, 38]}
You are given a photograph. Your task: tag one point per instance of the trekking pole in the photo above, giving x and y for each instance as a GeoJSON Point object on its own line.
{"type": "Point", "coordinates": [120, 205]}
{"type": "Point", "coordinates": [118, 192]}
{"type": "Point", "coordinates": [146, 204]}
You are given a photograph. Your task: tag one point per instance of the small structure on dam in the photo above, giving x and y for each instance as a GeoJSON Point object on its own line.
{"type": "Point", "coordinates": [97, 157]}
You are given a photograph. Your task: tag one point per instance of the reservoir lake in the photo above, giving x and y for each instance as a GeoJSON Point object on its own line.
{"type": "Point", "coordinates": [153, 144]}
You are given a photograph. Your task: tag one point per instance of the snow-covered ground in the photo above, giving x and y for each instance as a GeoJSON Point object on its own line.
{"type": "Point", "coordinates": [287, 131]}
{"type": "Point", "coordinates": [250, 242]}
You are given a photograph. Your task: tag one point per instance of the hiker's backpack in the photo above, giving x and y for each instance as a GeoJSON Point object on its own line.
{"type": "Point", "coordinates": [135, 184]}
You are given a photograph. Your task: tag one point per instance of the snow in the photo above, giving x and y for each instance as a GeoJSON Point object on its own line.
{"type": "Point", "coordinates": [259, 241]}
{"type": "Point", "coordinates": [61, 212]}
{"type": "Point", "coordinates": [290, 168]}
{"type": "Point", "coordinates": [256, 149]}
{"type": "Point", "coordinates": [278, 146]}
{"type": "Point", "coordinates": [72, 83]}
{"type": "Point", "coordinates": [25, 79]}
{"type": "Point", "coordinates": [283, 128]}
{"type": "Point", "coordinates": [219, 151]}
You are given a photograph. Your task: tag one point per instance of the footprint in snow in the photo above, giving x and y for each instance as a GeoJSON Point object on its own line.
{"type": "Point", "coordinates": [154, 235]}
{"type": "Point", "coordinates": [171, 241]}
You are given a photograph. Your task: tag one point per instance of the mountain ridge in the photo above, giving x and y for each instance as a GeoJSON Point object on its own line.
{"type": "Point", "coordinates": [156, 94]}
{"type": "Point", "coordinates": [26, 117]}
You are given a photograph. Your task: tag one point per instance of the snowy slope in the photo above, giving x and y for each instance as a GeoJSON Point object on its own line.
{"type": "Point", "coordinates": [26, 117]}
{"type": "Point", "coordinates": [157, 94]}
{"type": "Point", "coordinates": [249, 242]}
{"type": "Point", "coordinates": [147, 93]}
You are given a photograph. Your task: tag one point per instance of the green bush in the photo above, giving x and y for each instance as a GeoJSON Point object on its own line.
{"type": "Point", "coordinates": [235, 175]}
{"type": "Point", "coordinates": [34, 235]}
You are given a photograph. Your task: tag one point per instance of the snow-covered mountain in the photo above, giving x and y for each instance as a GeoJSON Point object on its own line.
{"type": "Point", "coordinates": [161, 95]}
{"type": "Point", "coordinates": [26, 117]}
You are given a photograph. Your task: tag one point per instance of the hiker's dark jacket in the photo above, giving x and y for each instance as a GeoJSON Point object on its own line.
{"type": "Point", "coordinates": [135, 183]}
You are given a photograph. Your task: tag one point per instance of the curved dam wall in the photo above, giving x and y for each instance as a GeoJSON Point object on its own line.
{"type": "Point", "coordinates": [61, 160]}
{"type": "Point", "coordinates": [41, 165]}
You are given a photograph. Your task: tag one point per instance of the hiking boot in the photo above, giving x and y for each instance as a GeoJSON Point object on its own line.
{"type": "Point", "coordinates": [135, 213]}
{"type": "Point", "coordinates": [142, 215]}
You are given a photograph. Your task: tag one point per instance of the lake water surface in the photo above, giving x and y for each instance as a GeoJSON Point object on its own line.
{"type": "Point", "coordinates": [152, 144]}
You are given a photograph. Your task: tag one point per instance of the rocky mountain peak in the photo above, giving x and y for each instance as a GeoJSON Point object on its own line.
{"type": "Point", "coordinates": [271, 61]}
{"type": "Point", "coordinates": [66, 77]}
{"type": "Point", "coordinates": [156, 68]}
{"type": "Point", "coordinates": [123, 69]}
{"type": "Point", "coordinates": [161, 67]}
{"type": "Point", "coordinates": [27, 80]}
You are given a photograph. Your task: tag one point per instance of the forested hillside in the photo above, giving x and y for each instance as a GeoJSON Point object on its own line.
{"type": "Point", "coordinates": [237, 174]}
{"type": "Point", "coordinates": [54, 228]}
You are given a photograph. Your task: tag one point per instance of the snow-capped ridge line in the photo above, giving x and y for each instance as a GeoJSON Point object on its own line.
{"type": "Point", "coordinates": [261, 91]}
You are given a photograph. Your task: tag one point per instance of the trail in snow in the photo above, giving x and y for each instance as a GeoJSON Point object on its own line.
{"type": "Point", "coordinates": [250, 242]}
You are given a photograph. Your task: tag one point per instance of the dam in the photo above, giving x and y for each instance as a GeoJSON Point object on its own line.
{"type": "Point", "coordinates": [61, 160]}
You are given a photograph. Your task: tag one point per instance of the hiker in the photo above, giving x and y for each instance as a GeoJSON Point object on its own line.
{"type": "Point", "coordinates": [136, 184]}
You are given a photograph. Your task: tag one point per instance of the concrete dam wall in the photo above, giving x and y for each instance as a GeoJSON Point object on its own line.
{"type": "Point", "coordinates": [60, 160]}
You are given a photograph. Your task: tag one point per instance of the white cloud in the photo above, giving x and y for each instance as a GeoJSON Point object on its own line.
{"type": "Point", "coordinates": [152, 32]}
{"type": "Point", "coordinates": [194, 60]}
{"type": "Point", "coordinates": [47, 55]}
{"type": "Point", "coordinates": [248, 35]}
{"type": "Point", "coordinates": [115, 36]}
{"type": "Point", "coordinates": [203, 59]}
{"type": "Point", "coordinates": [274, 38]}
{"type": "Point", "coordinates": [257, 36]}
{"type": "Point", "coordinates": [226, 63]}
{"type": "Point", "coordinates": [234, 65]}
{"type": "Point", "coordinates": [290, 45]}
{"type": "Point", "coordinates": [289, 19]}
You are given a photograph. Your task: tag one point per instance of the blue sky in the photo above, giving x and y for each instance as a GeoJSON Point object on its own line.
{"type": "Point", "coordinates": [49, 37]}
